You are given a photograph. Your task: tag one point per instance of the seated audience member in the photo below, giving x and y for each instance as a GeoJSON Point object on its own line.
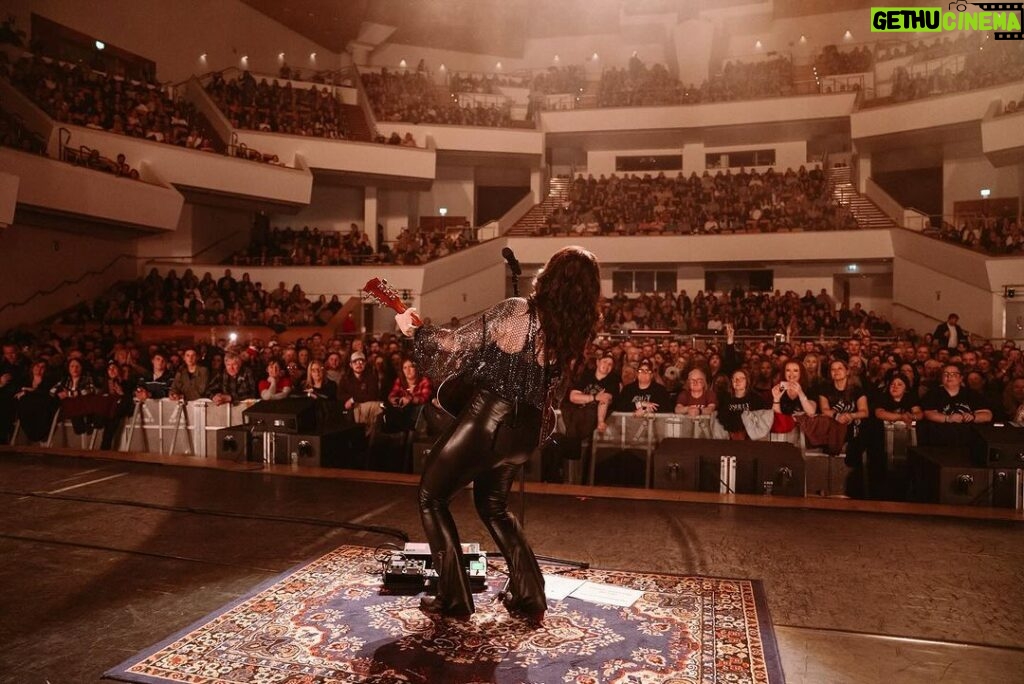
{"type": "Point", "coordinates": [317, 385]}
{"type": "Point", "coordinates": [360, 393]}
{"type": "Point", "coordinates": [191, 381]}
{"type": "Point", "coordinates": [696, 399]}
{"type": "Point", "coordinates": [591, 398]}
{"type": "Point", "coordinates": [845, 402]}
{"type": "Point", "coordinates": [157, 383]}
{"type": "Point", "coordinates": [1013, 400]}
{"type": "Point", "coordinates": [75, 383]}
{"type": "Point", "coordinates": [13, 375]}
{"type": "Point", "coordinates": [949, 409]}
{"type": "Point", "coordinates": [410, 392]}
{"type": "Point", "coordinates": [789, 396]}
{"type": "Point", "coordinates": [34, 405]}
{"type": "Point", "coordinates": [898, 404]}
{"type": "Point", "coordinates": [277, 384]}
{"type": "Point", "coordinates": [118, 387]}
{"type": "Point", "coordinates": [233, 384]}
{"type": "Point", "coordinates": [737, 401]}
{"type": "Point", "coordinates": [644, 396]}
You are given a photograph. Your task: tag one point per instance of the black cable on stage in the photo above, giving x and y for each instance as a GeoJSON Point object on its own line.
{"type": "Point", "coordinates": [135, 552]}
{"type": "Point", "coordinates": [376, 529]}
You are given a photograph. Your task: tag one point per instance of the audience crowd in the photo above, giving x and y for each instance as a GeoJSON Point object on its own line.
{"type": "Point", "coordinates": [78, 95]}
{"type": "Point", "coordinates": [994, 63]}
{"type": "Point", "coordinates": [833, 61]}
{"type": "Point", "coordinates": [188, 300]}
{"type": "Point", "coordinates": [271, 107]}
{"type": "Point", "coordinates": [641, 86]}
{"type": "Point", "coordinates": [13, 133]}
{"type": "Point", "coordinates": [410, 96]}
{"type": "Point", "coordinates": [313, 247]}
{"type": "Point", "coordinates": [997, 235]}
{"type": "Point", "coordinates": [748, 312]}
{"type": "Point", "coordinates": [745, 201]}
{"type": "Point", "coordinates": [840, 379]}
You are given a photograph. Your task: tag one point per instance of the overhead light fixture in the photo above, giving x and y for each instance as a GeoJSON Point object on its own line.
{"type": "Point", "coordinates": [403, 64]}
{"type": "Point", "coordinates": [985, 192]}
{"type": "Point", "coordinates": [847, 35]}
{"type": "Point", "coordinates": [758, 45]}
{"type": "Point", "coordinates": [557, 59]}
{"type": "Point", "coordinates": [312, 56]}
{"type": "Point", "coordinates": [100, 45]}
{"type": "Point", "coordinates": [803, 39]}
{"type": "Point", "coordinates": [594, 57]}
{"type": "Point", "coordinates": [280, 56]}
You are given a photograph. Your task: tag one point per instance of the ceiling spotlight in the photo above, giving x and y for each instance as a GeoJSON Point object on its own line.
{"type": "Point", "coordinates": [280, 56]}
{"type": "Point", "coordinates": [498, 66]}
{"type": "Point", "coordinates": [202, 57]}
{"type": "Point", "coordinates": [847, 35]}
{"type": "Point", "coordinates": [443, 68]}
{"type": "Point", "coordinates": [100, 45]}
{"type": "Point", "coordinates": [985, 192]}
{"type": "Point", "coordinates": [594, 57]}
{"type": "Point", "coordinates": [557, 59]}
{"type": "Point", "coordinates": [758, 45]}
{"type": "Point", "coordinates": [403, 64]}
{"type": "Point", "coordinates": [312, 55]}
{"type": "Point", "coordinates": [245, 58]}
{"type": "Point", "coordinates": [803, 39]}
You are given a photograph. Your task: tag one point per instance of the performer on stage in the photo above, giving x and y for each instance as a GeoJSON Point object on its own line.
{"type": "Point", "coordinates": [520, 353]}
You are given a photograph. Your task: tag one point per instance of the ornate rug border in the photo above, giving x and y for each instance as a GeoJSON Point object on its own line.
{"type": "Point", "coordinates": [766, 627]}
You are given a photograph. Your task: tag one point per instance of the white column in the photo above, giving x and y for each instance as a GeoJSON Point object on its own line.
{"type": "Point", "coordinates": [537, 185]}
{"type": "Point", "coordinates": [370, 214]}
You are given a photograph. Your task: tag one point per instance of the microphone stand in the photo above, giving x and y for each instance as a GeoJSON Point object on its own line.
{"type": "Point", "coordinates": [516, 272]}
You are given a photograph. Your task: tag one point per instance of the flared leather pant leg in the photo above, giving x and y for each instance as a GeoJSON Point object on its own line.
{"type": "Point", "coordinates": [467, 453]}
{"type": "Point", "coordinates": [458, 456]}
{"type": "Point", "coordinates": [490, 494]}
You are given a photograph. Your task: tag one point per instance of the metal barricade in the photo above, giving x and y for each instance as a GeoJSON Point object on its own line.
{"type": "Point", "coordinates": [167, 427]}
{"type": "Point", "coordinates": [626, 434]}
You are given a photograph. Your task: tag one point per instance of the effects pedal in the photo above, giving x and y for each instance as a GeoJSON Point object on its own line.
{"type": "Point", "coordinates": [411, 569]}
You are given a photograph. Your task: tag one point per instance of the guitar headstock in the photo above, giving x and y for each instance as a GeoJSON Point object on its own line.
{"type": "Point", "coordinates": [385, 295]}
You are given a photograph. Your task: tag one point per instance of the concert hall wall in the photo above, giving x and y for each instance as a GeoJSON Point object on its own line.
{"type": "Point", "coordinates": [175, 34]}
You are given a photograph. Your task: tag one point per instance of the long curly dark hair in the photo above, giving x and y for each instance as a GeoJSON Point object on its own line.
{"type": "Point", "coordinates": [567, 293]}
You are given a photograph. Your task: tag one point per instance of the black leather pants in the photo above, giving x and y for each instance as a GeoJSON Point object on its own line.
{"type": "Point", "coordinates": [487, 445]}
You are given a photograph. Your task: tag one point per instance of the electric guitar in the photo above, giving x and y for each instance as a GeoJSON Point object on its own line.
{"type": "Point", "coordinates": [456, 390]}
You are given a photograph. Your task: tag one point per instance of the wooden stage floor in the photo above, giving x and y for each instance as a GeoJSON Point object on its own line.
{"type": "Point", "coordinates": [105, 554]}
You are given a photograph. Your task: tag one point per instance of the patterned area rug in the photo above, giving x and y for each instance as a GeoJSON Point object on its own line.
{"type": "Point", "coordinates": [330, 621]}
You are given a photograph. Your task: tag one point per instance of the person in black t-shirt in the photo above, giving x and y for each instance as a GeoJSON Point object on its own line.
{"type": "Point", "coordinates": [949, 409]}
{"type": "Point", "coordinates": [896, 403]}
{"type": "Point", "coordinates": [845, 402]}
{"type": "Point", "coordinates": [593, 394]}
{"type": "Point", "coordinates": [733, 404]}
{"type": "Point", "coordinates": [645, 395]}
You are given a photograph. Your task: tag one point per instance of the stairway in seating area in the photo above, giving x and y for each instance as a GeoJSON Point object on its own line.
{"type": "Point", "coordinates": [558, 191]}
{"type": "Point", "coordinates": [355, 123]}
{"type": "Point", "coordinates": [844, 192]}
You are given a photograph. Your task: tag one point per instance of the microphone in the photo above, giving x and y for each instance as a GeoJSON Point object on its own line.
{"type": "Point", "coordinates": [513, 263]}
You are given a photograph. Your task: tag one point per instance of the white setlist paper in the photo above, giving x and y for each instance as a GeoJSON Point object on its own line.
{"type": "Point", "coordinates": [558, 587]}
{"type": "Point", "coordinates": [607, 594]}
